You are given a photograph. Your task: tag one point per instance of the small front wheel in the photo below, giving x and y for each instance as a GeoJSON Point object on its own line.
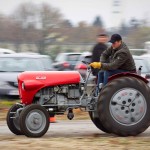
{"type": "Point", "coordinates": [34, 120]}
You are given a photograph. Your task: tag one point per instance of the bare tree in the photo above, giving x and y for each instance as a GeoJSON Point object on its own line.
{"type": "Point", "coordinates": [25, 14]}
{"type": "Point", "coordinates": [98, 22]}
{"type": "Point", "coordinates": [49, 19]}
{"type": "Point", "coordinates": [9, 30]}
{"type": "Point", "coordinates": [41, 19]}
{"type": "Point", "coordinates": [136, 38]}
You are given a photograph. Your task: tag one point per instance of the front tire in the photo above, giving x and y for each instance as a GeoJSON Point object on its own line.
{"type": "Point", "coordinates": [125, 110]}
{"type": "Point", "coordinates": [34, 120]}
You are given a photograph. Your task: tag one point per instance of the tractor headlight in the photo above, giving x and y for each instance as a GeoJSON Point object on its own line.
{"type": "Point", "coordinates": [23, 86]}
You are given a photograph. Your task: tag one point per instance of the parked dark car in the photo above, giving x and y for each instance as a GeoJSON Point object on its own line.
{"type": "Point", "coordinates": [13, 64]}
{"type": "Point", "coordinates": [80, 66]}
{"type": "Point", "coordinates": [66, 61]}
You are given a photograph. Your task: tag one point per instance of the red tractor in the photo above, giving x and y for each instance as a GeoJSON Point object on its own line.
{"type": "Point", "coordinates": [122, 107]}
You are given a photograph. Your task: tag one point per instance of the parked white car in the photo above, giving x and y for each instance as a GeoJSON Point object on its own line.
{"type": "Point", "coordinates": [13, 64]}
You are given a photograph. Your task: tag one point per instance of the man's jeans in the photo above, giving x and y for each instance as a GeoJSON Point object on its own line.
{"type": "Point", "coordinates": [103, 76]}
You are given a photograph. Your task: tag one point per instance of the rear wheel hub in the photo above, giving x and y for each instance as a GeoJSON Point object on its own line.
{"type": "Point", "coordinates": [128, 106]}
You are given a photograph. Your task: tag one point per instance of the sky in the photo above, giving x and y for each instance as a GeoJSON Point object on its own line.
{"type": "Point", "coordinates": [87, 10]}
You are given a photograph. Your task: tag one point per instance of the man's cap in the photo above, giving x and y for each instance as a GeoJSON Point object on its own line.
{"type": "Point", "coordinates": [114, 38]}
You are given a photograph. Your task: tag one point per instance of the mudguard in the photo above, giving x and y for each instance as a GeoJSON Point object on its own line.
{"type": "Point", "coordinates": [129, 75]}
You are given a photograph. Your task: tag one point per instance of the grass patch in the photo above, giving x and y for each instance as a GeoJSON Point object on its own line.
{"type": "Point", "coordinates": [4, 107]}
{"type": "Point", "coordinates": [7, 103]}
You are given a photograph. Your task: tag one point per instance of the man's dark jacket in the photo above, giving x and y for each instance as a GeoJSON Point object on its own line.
{"type": "Point", "coordinates": [119, 58]}
{"type": "Point", "coordinates": [96, 53]}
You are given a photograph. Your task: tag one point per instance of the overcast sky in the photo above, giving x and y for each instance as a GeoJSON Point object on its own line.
{"type": "Point", "coordinates": [86, 10]}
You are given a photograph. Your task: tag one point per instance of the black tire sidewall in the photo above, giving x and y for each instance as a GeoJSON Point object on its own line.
{"type": "Point", "coordinates": [10, 122]}
{"type": "Point", "coordinates": [97, 123]}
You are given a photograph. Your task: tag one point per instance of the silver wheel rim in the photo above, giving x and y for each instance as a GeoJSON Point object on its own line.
{"type": "Point", "coordinates": [128, 106]}
{"type": "Point", "coordinates": [35, 121]}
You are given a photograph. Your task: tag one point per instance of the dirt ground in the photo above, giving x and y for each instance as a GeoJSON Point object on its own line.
{"type": "Point", "coordinates": [74, 143]}
{"type": "Point", "coordinates": [88, 142]}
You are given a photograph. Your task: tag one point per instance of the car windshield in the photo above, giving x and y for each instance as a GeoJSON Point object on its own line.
{"type": "Point", "coordinates": [69, 57]}
{"type": "Point", "coordinates": [87, 59]}
{"type": "Point", "coordinates": [24, 64]}
{"type": "Point", "coordinates": [73, 58]}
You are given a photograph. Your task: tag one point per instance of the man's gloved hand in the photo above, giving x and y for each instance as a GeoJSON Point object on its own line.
{"type": "Point", "coordinates": [96, 65]}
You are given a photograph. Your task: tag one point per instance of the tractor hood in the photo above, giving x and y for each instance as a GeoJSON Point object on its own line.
{"type": "Point", "coordinates": [30, 82]}
{"type": "Point", "coordinates": [50, 78]}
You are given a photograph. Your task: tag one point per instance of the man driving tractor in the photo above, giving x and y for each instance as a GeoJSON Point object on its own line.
{"type": "Point", "coordinates": [115, 59]}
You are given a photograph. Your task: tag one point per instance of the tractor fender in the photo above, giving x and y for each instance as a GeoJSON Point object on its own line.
{"type": "Point", "coordinates": [125, 74]}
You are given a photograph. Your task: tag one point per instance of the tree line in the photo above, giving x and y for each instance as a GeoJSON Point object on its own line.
{"type": "Point", "coordinates": [43, 25]}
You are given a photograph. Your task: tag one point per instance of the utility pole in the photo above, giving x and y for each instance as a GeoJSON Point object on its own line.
{"type": "Point", "coordinates": [117, 13]}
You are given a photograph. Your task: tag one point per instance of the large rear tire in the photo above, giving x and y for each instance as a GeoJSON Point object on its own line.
{"type": "Point", "coordinates": [34, 120]}
{"type": "Point", "coordinates": [125, 110]}
{"type": "Point", "coordinates": [97, 122]}
{"type": "Point", "coordinates": [13, 120]}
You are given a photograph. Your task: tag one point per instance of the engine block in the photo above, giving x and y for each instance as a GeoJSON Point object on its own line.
{"type": "Point", "coordinates": [59, 96]}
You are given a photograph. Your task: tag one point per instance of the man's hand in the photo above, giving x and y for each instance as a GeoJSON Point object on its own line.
{"type": "Point", "coordinates": [96, 65]}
